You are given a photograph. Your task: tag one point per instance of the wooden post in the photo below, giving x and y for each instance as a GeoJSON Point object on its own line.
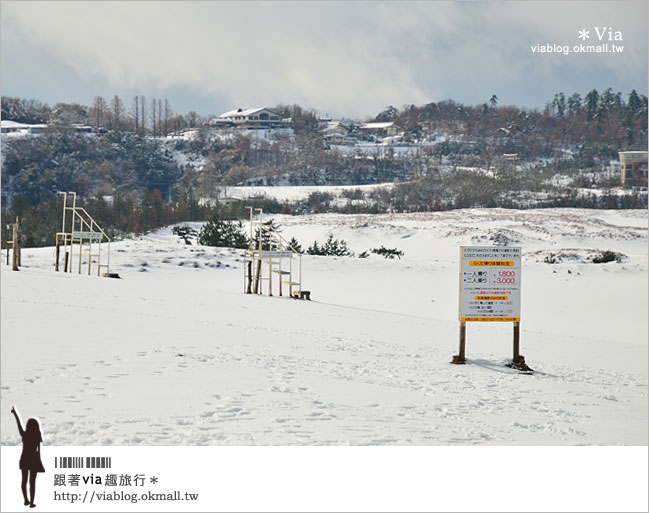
{"type": "Point", "coordinates": [20, 260]}
{"type": "Point", "coordinates": [518, 361]}
{"type": "Point", "coordinates": [460, 359]}
{"type": "Point", "coordinates": [80, 254]}
{"type": "Point", "coordinates": [249, 291]}
{"type": "Point", "coordinates": [517, 341]}
{"type": "Point", "coordinates": [14, 244]}
{"type": "Point", "coordinates": [65, 264]}
{"type": "Point", "coordinates": [290, 277]}
{"type": "Point", "coordinates": [58, 253]}
{"type": "Point", "coordinates": [270, 277]}
{"type": "Point", "coordinates": [89, 255]}
{"type": "Point", "coordinates": [99, 259]}
{"type": "Point", "coordinates": [258, 275]}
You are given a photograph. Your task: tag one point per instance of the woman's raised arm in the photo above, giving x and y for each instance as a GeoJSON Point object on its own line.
{"type": "Point", "coordinates": [20, 426]}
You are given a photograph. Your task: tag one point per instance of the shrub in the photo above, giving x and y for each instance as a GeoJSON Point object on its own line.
{"type": "Point", "coordinates": [387, 252]}
{"type": "Point", "coordinates": [550, 259]}
{"type": "Point", "coordinates": [607, 256]}
{"type": "Point", "coordinates": [185, 233]}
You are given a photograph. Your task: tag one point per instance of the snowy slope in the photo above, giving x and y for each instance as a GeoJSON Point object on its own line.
{"type": "Point", "coordinates": [177, 354]}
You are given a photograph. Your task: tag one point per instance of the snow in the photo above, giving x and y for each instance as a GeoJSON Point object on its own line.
{"type": "Point", "coordinates": [175, 353]}
{"type": "Point", "coordinates": [377, 126]}
{"type": "Point", "coordinates": [387, 146]}
{"type": "Point", "coordinates": [298, 193]}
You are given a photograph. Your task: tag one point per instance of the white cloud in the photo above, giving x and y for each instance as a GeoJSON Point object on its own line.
{"type": "Point", "coordinates": [345, 57]}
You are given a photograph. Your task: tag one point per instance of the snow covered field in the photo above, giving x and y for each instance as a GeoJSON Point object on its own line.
{"type": "Point", "coordinates": [175, 354]}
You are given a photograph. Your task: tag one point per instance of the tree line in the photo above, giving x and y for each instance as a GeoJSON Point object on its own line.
{"type": "Point", "coordinates": [594, 118]}
{"type": "Point", "coordinates": [572, 135]}
{"type": "Point", "coordinates": [142, 116]}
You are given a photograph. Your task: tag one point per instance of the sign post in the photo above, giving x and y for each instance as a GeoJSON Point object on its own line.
{"type": "Point", "coordinates": [490, 291]}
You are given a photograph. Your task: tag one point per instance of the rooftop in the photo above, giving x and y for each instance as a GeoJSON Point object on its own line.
{"type": "Point", "coordinates": [376, 126]}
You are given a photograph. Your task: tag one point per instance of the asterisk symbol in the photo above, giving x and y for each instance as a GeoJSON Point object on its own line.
{"type": "Point", "coordinates": [154, 480]}
{"type": "Point", "coordinates": [583, 34]}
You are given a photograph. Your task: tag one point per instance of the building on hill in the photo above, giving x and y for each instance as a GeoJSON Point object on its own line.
{"type": "Point", "coordinates": [9, 127]}
{"type": "Point", "coordinates": [633, 167]}
{"type": "Point", "coordinates": [12, 127]}
{"type": "Point", "coordinates": [388, 128]}
{"type": "Point", "coordinates": [250, 118]}
{"type": "Point", "coordinates": [334, 132]}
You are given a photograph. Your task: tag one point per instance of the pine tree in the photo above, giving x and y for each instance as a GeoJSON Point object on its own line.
{"type": "Point", "coordinates": [294, 245]}
{"type": "Point", "coordinates": [217, 232]}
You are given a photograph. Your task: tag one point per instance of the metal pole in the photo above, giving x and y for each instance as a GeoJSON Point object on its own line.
{"type": "Point", "coordinates": [65, 199]}
{"type": "Point", "coordinates": [290, 277]}
{"type": "Point", "coordinates": [252, 236]}
{"type": "Point", "coordinates": [74, 212]}
{"type": "Point", "coordinates": [261, 228]}
{"type": "Point", "coordinates": [80, 253]}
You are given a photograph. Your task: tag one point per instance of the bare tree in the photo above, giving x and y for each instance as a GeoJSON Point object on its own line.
{"type": "Point", "coordinates": [143, 115]}
{"type": "Point", "coordinates": [159, 116]}
{"type": "Point", "coordinates": [135, 111]}
{"type": "Point", "coordinates": [168, 113]}
{"type": "Point", "coordinates": [154, 118]}
{"type": "Point", "coordinates": [191, 118]}
{"type": "Point", "coordinates": [117, 111]}
{"type": "Point", "coordinates": [97, 114]}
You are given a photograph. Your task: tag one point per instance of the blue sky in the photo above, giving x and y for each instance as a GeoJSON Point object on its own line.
{"type": "Point", "coordinates": [341, 58]}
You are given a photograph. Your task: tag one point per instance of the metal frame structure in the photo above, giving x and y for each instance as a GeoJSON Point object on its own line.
{"type": "Point", "coordinates": [273, 259]}
{"type": "Point", "coordinates": [83, 230]}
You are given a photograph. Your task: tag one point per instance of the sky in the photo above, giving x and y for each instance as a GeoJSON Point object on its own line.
{"type": "Point", "coordinates": [343, 59]}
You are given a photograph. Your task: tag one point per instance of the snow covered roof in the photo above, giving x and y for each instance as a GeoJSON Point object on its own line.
{"type": "Point", "coordinates": [9, 126]}
{"type": "Point", "coordinates": [6, 123]}
{"type": "Point", "coordinates": [377, 126]}
{"type": "Point", "coordinates": [243, 112]}
{"type": "Point", "coordinates": [633, 157]}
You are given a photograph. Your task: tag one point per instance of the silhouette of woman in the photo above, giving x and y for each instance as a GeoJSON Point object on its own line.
{"type": "Point", "coordinates": [30, 459]}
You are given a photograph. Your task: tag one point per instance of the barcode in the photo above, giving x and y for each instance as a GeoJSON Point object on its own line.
{"type": "Point", "coordinates": [81, 462]}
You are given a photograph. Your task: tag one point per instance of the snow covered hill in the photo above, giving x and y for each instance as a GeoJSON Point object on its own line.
{"type": "Point", "coordinates": [175, 353]}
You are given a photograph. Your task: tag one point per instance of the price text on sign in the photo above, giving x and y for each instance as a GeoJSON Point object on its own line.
{"type": "Point", "coordinates": [490, 284]}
